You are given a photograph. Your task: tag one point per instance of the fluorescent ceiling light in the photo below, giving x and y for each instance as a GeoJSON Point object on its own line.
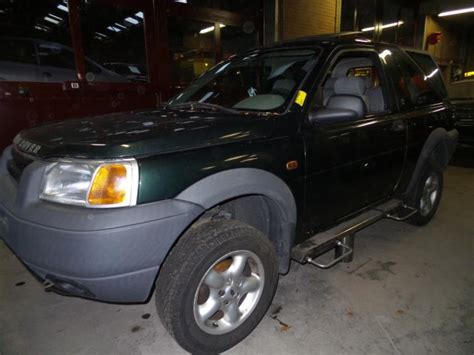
{"type": "Point", "coordinates": [119, 25]}
{"type": "Point", "coordinates": [206, 30]}
{"type": "Point", "coordinates": [388, 25]}
{"type": "Point", "coordinates": [101, 34]}
{"type": "Point", "coordinates": [210, 29]}
{"type": "Point", "coordinates": [52, 20]}
{"type": "Point", "coordinates": [399, 23]}
{"type": "Point", "coordinates": [63, 7]}
{"type": "Point", "coordinates": [456, 12]}
{"type": "Point", "coordinates": [42, 28]}
{"type": "Point", "coordinates": [132, 20]}
{"type": "Point", "coordinates": [55, 17]}
{"type": "Point", "coordinates": [114, 29]}
{"type": "Point", "coordinates": [139, 14]}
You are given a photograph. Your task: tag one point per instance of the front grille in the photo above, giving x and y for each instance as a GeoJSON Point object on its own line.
{"type": "Point", "coordinates": [17, 164]}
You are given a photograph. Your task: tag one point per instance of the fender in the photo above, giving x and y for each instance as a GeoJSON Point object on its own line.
{"type": "Point", "coordinates": [229, 184]}
{"type": "Point", "coordinates": [437, 150]}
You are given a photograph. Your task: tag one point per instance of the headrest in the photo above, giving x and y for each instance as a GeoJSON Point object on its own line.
{"type": "Point", "coordinates": [346, 64]}
{"type": "Point", "coordinates": [284, 84]}
{"type": "Point", "coordinates": [349, 86]}
{"type": "Point", "coordinates": [368, 82]}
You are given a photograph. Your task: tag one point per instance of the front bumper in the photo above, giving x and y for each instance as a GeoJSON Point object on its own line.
{"type": "Point", "coordinates": [110, 255]}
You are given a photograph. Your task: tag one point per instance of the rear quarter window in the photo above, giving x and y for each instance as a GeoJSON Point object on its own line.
{"type": "Point", "coordinates": [431, 69]}
{"type": "Point", "coordinates": [412, 86]}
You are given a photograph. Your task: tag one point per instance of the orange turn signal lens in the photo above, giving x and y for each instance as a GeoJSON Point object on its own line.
{"type": "Point", "coordinates": [110, 185]}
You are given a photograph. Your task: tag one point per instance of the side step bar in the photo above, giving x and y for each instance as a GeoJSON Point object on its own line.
{"type": "Point", "coordinates": [341, 236]}
{"type": "Point", "coordinates": [348, 252]}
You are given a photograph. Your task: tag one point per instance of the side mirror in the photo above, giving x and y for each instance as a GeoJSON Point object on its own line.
{"type": "Point", "coordinates": [331, 115]}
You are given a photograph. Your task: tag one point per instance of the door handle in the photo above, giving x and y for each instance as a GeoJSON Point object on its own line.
{"type": "Point", "coordinates": [398, 126]}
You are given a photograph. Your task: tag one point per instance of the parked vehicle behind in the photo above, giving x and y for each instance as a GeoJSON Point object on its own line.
{"type": "Point", "coordinates": [279, 153]}
{"type": "Point", "coordinates": [461, 94]}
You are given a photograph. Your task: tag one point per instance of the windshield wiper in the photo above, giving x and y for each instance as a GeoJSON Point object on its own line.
{"type": "Point", "coordinates": [202, 105]}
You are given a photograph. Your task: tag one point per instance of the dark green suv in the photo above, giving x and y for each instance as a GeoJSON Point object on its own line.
{"type": "Point", "coordinates": [281, 152]}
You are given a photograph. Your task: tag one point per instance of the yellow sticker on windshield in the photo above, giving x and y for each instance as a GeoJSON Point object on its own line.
{"type": "Point", "coordinates": [300, 98]}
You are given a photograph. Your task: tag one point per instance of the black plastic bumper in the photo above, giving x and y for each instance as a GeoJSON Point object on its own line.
{"type": "Point", "coordinates": [107, 254]}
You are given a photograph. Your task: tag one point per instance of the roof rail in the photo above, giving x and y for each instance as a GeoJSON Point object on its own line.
{"type": "Point", "coordinates": [328, 36]}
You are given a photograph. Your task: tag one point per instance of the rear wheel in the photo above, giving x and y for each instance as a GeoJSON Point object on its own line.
{"type": "Point", "coordinates": [428, 195]}
{"type": "Point", "coordinates": [216, 285]}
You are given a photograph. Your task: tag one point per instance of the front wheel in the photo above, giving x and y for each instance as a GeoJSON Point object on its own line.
{"type": "Point", "coordinates": [216, 285]}
{"type": "Point", "coordinates": [428, 195]}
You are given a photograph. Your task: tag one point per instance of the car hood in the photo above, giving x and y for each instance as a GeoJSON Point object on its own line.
{"type": "Point", "coordinates": [140, 133]}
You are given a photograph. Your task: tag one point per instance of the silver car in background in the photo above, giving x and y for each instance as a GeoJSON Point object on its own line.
{"type": "Point", "coordinates": [35, 60]}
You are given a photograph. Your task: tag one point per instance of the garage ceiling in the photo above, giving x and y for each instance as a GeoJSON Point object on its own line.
{"type": "Point", "coordinates": [434, 7]}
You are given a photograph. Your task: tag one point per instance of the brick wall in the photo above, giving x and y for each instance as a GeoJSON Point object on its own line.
{"type": "Point", "coordinates": [310, 17]}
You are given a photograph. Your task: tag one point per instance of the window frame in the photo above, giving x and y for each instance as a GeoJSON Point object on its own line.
{"type": "Point", "coordinates": [384, 79]}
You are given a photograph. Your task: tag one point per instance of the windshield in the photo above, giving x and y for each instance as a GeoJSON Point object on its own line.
{"type": "Point", "coordinates": [260, 81]}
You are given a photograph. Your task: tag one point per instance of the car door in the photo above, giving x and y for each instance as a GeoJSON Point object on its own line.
{"type": "Point", "coordinates": [422, 101]}
{"type": "Point", "coordinates": [351, 165]}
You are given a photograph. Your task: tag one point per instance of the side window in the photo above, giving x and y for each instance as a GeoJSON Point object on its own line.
{"type": "Point", "coordinates": [354, 75]}
{"type": "Point", "coordinates": [432, 72]}
{"type": "Point", "coordinates": [54, 55]}
{"type": "Point", "coordinates": [17, 51]}
{"type": "Point", "coordinates": [410, 83]}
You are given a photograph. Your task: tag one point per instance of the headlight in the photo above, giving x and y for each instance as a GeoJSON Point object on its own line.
{"type": "Point", "coordinates": [95, 184]}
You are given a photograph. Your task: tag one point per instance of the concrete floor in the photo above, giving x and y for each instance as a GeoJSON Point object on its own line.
{"type": "Point", "coordinates": [409, 291]}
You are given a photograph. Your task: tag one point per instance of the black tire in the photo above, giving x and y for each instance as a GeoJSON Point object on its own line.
{"type": "Point", "coordinates": [424, 214]}
{"type": "Point", "coordinates": [194, 255]}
